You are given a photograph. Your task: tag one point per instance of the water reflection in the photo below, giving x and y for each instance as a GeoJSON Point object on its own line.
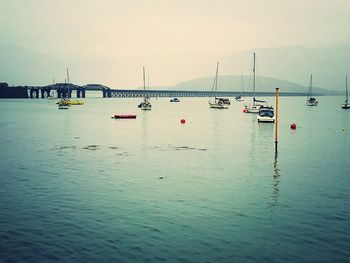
{"type": "Point", "coordinates": [276, 180]}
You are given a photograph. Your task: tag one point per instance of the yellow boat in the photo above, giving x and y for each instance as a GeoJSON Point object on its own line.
{"type": "Point", "coordinates": [73, 102]}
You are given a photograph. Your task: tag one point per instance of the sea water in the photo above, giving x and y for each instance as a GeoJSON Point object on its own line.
{"type": "Point", "coordinates": [78, 186]}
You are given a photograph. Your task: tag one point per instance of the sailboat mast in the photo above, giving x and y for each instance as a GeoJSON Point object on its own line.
{"type": "Point", "coordinates": [67, 76]}
{"type": "Point", "coordinates": [346, 88]}
{"type": "Point", "coordinates": [216, 78]}
{"type": "Point", "coordinates": [310, 87]}
{"type": "Point", "coordinates": [242, 85]}
{"type": "Point", "coordinates": [68, 95]}
{"type": "Point", "coordinates": [254, 79]}
{"type": "Point", "coordinates": [144, 83]}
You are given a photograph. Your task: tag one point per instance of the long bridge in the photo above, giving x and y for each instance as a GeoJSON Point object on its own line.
{"type": "Point", "coordinates": [63, 90]}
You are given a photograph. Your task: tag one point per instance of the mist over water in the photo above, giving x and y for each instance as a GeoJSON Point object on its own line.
{"type": "Point", "coordinates": [80, 186]}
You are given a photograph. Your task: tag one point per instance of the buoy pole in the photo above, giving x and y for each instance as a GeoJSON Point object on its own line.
{"type": "Point", "coordinates": [276, 122]}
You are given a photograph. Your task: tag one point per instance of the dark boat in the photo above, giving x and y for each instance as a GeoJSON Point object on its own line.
{"type": "Point", "coordinates": [124, 116]}
{"type": "Point", "coordinates": [175, 100]}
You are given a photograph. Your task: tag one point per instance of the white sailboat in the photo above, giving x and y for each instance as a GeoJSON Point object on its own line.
{"type": "Point", "coordinates": [346, 105]}
{"type": "Point", "coordinates": [145, 105]}
{"type": "Point", "coordinates": [257, 104]}
{"type": "Point", "coordinates": [311, 101]}
{"type": "Point", "coordinates": [215, 102]}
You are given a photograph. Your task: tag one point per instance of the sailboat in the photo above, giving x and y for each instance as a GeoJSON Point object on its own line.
{"type": "Point", "coordinates": [311, 101]}
{"type": "Point", "coordinates": [257, 104]}
{"type": "Point", "coordinates": [145, 105]}
{"type": "Point", "coordinates": [346, 105]}
{"type": "Point", "coordinates": [240, 97]}
{"type": "Point", "coordinates": [68, 100]}
{"type": "Point", "coordinates": [63, 103]}
{"type": "Point", "coordinates": [215, 102]}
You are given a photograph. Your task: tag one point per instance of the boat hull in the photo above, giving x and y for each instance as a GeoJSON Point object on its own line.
{"type": "Point", "coordinates": [72, 102]}
{"type": "Point", "coordinates": [63, 107]}
{"type": "Point", "coordinates": [218, 106]}
{"type": "Point", "coordinates": [124, 116]}
{"type": "Point", "coordinates": [147, 107]}
{"type": "Point", "coordinates": [266, 119]}
{"type": "Point", "coordinates": [252, 109]}
{"type": "Point", "coordinates": [75, 102]}
{"type": "Point", "coordinates": [345, 106]}
{"type": "Point", "coordinates": [312, 102]}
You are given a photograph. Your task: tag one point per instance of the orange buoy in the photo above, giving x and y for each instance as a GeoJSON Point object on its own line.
{"type": "Point", "coordinates": [293, 126]}
{"type": "Point", "coordinates": [244, 110]}
{"type": "Point", "coordinates": [183, 121]}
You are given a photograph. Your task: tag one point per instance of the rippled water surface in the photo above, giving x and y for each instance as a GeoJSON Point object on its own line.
{"type": "Point", "coordinates": [78, 186]}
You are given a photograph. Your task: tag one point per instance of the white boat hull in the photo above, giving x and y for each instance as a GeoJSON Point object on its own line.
{"type": "Point", "coordinates": [253, 108]}
{"type": "Point", "coordinates": [146, 107]}
{"type": "Point", "coordinates": [218, 106]}
{"type": "Point", "coordinates": [266, 119]}
{"type": "Point", "coordinates": [345, 106]}
{"type": "Point", "coordinates": [312, 103]}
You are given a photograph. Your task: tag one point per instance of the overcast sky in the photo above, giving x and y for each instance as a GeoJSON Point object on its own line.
{"type": "Point", "coordinates": [160, 32]}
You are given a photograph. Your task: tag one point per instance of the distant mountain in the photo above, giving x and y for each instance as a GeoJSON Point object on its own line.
{"type": "Point", "coordinates": [286, 67]}
{"type": "Point", "coordinates": [234, 83]}
{"type": "Point", "coordinates": [328, 65]}
{"type": "Point", "coordinates": [20, 66]}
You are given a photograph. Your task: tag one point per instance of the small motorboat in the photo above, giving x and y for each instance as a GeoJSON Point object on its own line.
{"type": "Point", "coordinates": [239, 98]}
{"type": "Point", "coordinates": [266, 114]}
{"type": "Point", "coordinates": [175, 100]}
{"type": "Point", "coordinates": [124, 116]}
{"type": "Point", "coordinates": [63, 105]}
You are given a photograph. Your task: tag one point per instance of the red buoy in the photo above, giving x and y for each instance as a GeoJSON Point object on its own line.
{"type": "Point", "coordinates": [244, 110]}
{"type": "Point", "coordinates": [183, 121]}
{"type": "Point", "coordinates": [293, 126]}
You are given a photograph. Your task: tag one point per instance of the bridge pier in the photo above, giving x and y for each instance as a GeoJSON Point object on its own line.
{"type": "Point", "coordinates": [64, 93]}
{"type": "Point", "coordinates": [107, 93]}
{"type": "Point", "coordinates": [45, 93]}
{"type": "Point", "coordinates": [81, 93]}
{"type": "Point", "coordinates": [34, 93]}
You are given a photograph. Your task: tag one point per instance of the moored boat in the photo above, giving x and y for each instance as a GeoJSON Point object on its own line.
{"type": "Point", "coordinates": [266, 114]}
{"type": "Point", "coordinates": [311, 100]}
{"type": "Point", "coordinates": [146, 104]}
{"type": "Point", "coordinates": [257, 104]}
{"type": "Point", "coordinates": [239, 98]}
{"type": "Point", "coordinates": [124, 116]}
{"type": "Point", "coordinates": [215, 102]}
{"type": "Point", "coordinates": [63, 104]}
{"type": "Point", "coordinates": [73, 102]}
{"type": "Point", "coordinates": [175, 100]}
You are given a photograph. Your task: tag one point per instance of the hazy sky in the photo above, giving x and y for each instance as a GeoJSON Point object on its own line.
{"type": "Point", "coordinates": [159, 33]}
